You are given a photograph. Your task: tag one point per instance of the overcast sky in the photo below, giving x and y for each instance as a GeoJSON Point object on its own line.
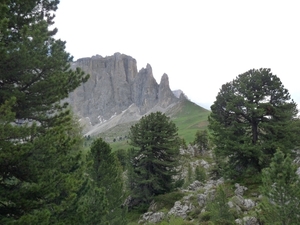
{"type": "Point", "coordinates": [199, 44]}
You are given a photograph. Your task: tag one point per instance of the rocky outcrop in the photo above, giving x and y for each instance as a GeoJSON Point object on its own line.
{"type": "Point", "coordinates": [152, 217]}
{"type": "Point", "coordinates": [179, 94]}
{"type": "Point", "coordinates": [115, 85]}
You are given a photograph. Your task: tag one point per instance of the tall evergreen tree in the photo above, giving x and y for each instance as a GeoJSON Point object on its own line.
{"type": "Point", "coordinates": [155, 156]}
{"type": "Point", "coordinates": [250, 118]}
{"type": "Point", "coordinates": [40, 164]}
{"type": "Point", "coordinates": [281, 191]}
{"type": "Point", "coordinates": [106, 173]}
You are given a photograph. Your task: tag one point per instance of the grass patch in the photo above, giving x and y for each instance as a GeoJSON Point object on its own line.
{"type": "Point", "coordinates": [189, 117]}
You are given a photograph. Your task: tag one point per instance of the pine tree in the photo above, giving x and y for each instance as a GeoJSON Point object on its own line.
{"type": "Point", "coordinates": [92, 206]}
{"type": "Point", "coordinates": [201, 139]}
{"type": "Point", "coordinates": [40, 162]}
{"type": "Point", "coordinates": [106, 174]}
{"type": "Point", "coordinates": [281, 191]}
{"type": "Point", "coordinates": [154, 157]}
{"type": "Point", "coordinates": [250, 118]}
{"type": "Point", "coordinates": [218, 208]}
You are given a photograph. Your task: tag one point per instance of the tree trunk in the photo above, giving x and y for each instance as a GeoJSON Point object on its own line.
{"type": "Point", "coordinates": [254, 132]}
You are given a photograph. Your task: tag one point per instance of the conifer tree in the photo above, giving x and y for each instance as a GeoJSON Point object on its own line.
{"type": "Point", "coordinates": [154, 157]}
{"type": "Point", "coordinates": [218, 208]}
{"type": "Point", "coordinates": [92, 206]}
{"type": "Point", "coordinates": [106, 173]}
{"type": "Point", "coordinates": [40, 162]}
{"type": "Point", "coordinates": [281, 191]}
{"type": "Point", "coordinates": [250, 118]}
{"type": "Point", "coordinates": [201, 139]}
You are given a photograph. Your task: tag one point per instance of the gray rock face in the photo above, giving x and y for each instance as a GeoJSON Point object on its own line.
{"type": "Point", "coordinates": [114, 85]}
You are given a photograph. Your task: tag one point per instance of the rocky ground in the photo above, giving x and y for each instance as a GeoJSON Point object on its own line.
{"type": "Point", "coordinates": [197, 194]}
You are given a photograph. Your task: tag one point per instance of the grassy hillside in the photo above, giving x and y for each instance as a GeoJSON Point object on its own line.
{"type": "Point", "coordinates": [188, 117]}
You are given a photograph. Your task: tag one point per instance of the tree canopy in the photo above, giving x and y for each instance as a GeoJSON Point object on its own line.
{"type": "Point", "coordinates": [155, 156]}
{"type": "Point", "coordinates": [40, 162]}
{"type": "Point", "coordinates": [250, 119]}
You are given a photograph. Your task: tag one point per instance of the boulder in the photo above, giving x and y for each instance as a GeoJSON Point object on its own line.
{"type": "Point", "coordinates": [196, 185]}
{"type": "Point", "coordinates": [151, 217]}
{"type": "Point", "coordinates": [245, 204]}
{"type": "Point", "coordinates": [201, 200]}
{"type": "Point", "coordinates": [240, 189]}
{"type": "Point", "coordinates": [180, 210]}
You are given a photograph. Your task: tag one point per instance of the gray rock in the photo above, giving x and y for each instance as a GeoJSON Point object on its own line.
{"type": "Point", "coordinates": [152, 207]}
{"type": "Point", "coordinates": [234, 206]}
{"type": "Point", "coordinates": [191, 150]}
{"type": "Point", "coordinates": [152, 217]}
{"type": "Point", "coordinates": [249, 204]}
{"type": "Point", "coordinates": [180, 210]}
{"type": "Point", "coordinates": [201, 200]}
{"type": "Point", "coordinates": [298, 171]}
{"type": "Point", "coordinates": [247, 221]}
{"type": "Point", "coordinates": [238, 200]}
{"type": "Point", "coordinates": [239, 189]}
{"type": "Point", "coordinates": [114, 85]}
{"type": "Point", "coordinates": [196, 185]}
{"type": "Point", "coordinates": [245, 204]}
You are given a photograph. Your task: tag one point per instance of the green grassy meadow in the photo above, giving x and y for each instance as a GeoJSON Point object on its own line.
{"type": "Point", "coordinates": [188, 117]}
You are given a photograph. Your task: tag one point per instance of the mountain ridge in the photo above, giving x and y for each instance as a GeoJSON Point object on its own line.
{"type": "Point", "coordinates": [117, 93]}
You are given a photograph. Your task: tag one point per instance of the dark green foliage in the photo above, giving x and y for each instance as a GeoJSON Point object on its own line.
{"type": "Point", "coordinates": [93, 206]}
{"type": "Point", "coordinates": [219, 211]}
{"type": "Point", "coordinates": [154, 157]}
{"type": "Point", "coordinates": [40, 162]}
{"type": "Point", "coordinates": [200, 173]}
{"type": "Point", "coordinates": [281, 191]}
{"type": "Point", "coordinates": [34, 67]}
{"type": "Point", "coordinates": [250, 118]}
{"type": "Point", "coordinates": [122, 156]}
{"type": "Point", "coordinates": [106, 174]}
{"type": "Point", "coordinates": [201, 139]}
{"type": "Point", "coordinates": [183, 143]}
{"type": "Point", "coordinates": [40, 173]}
{"type": "Point", "coordinates": [167, 200]}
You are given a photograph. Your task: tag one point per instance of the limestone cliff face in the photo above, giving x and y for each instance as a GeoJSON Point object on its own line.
{"type": "Point", "coordinates": [114, 85]}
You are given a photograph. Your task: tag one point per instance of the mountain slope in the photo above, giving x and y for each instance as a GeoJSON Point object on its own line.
{"type": "Point", "coordinates": [117, 95]}
{"type": "Point", "coordinates": [189, 117]}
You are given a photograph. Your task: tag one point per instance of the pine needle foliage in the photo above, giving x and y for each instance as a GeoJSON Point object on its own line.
{"type": "Point", "coordinates": [154, 156]}
{"type": "Point", "coordinates": [40, 161]}
{"type": "Point", "coordinates": [251, 117]}
{"type": "Point", "coordinates": [281, 191]}
{"type": "Point", "coordinates": [106, 174]}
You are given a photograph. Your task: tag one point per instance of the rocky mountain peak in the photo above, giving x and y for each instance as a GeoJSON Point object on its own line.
{"type": "Point", "coordinates": [165, 95]}
{"type": "Point", "coordinates": [115, 85]}
{"type": "Point", "coordinates": [164, 80]}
